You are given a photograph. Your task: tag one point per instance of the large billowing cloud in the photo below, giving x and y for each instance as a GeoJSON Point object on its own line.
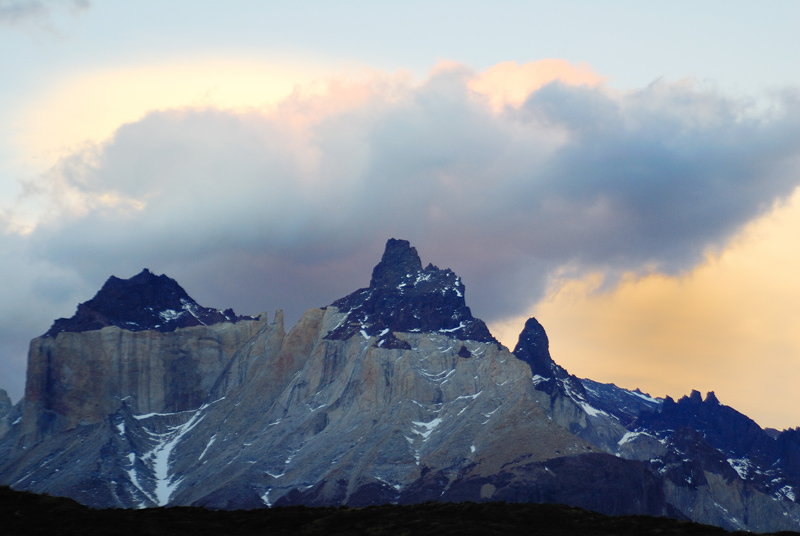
{"type": "Point", "coordinates": [291, 208]}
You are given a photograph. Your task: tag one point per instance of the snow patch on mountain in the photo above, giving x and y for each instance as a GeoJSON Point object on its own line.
{"type": "Point", "coordinates": [425, 429]}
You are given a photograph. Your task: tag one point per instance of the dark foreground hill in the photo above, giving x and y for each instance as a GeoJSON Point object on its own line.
{"type": "Point", "coordinates": [28, 513]}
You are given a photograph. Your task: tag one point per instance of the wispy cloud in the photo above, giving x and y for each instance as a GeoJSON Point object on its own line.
{"type": "Point", "coordinates": [20, 12]}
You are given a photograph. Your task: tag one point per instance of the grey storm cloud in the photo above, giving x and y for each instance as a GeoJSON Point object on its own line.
{"type": "Point", "coordinates": [246, 210]}
{"type": "Point", "coordinates": [17, 11]}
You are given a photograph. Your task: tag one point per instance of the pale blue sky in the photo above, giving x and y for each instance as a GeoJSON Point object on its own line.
{"type": "Point", "coordinates": [743, 46]}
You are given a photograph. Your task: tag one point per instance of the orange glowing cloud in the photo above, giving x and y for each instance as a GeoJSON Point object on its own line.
{"type": "Point", "coordinates": [91, 106]}
{"type": "Point", "coordinates": [729, 326]}
{"type": "Point", "coordinates": [509, 84]}
{"type": "Point", "coordinates": [336, 94]}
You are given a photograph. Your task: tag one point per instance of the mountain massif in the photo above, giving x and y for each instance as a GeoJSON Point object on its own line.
{"type": "Point", "coordinates": [392, 394]}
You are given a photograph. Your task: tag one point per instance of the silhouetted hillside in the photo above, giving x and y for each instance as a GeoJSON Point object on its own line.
{"type": "Point", "coordinates": [28, 513]}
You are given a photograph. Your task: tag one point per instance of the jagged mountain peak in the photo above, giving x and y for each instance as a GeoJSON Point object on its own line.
{"type": "Point", "coordinates": [399, 260]}
{"type": "Point", "coordinates": [723, 427]}
{"type": "Point", "coordinates": [404, 297]}
{"type": "Point", "coordinates": [533, 347]}
{"type": "Point", "coordinates": [142, 302]}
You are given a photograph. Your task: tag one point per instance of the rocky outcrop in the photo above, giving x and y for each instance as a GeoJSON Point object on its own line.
{"type": "Point", "coordinates": [703, 485]}
{"type": "Point", "coordinates": [7, 413]}
{"type": "Point", "coordinates": [305, 416]}
{"type": "Point", "coordinates": [787, 450]}
{"type": "Point", "coordinates": [564, 393]}
{"type": "Point", "coordinates": [723, 427]}
{"type": "Point", "coordinates": [720, 467]}
{"type": "Point", "coordinates": [404, 297]}
{"type": "Point", "coordinates": [5, 403]}
{"type": "Point", "coordinates": [533, 347]}
{"type": "Point", "coordinates": [144, 302]}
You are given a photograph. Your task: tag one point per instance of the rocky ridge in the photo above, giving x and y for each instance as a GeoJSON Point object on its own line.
{"type": "Point", "coordinates": [393, 394]}
{"type": "Point", "coordinates": [404, 297]}
{"type": "Point", "coordinates": [144, 302]}
{"type": "Point", "coordinates": [717, 466]}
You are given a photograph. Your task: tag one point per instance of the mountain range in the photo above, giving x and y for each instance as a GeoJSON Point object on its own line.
{"type": "Point", "coordinates": [392, 394]}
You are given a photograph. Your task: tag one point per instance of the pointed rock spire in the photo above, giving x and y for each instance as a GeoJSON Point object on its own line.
{"type": "Point", "coordinates": [404, 297]}
{"type": "Point", "coordinates": [399, 260]}
{"type": "Point", "coordinates": [533, 347]}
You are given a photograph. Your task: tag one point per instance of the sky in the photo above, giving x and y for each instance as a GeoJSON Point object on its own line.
{"type": "Point", "coordinates": [625, 171]}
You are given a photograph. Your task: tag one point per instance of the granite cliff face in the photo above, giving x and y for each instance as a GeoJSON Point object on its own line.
{"type": "Point", "coordinates": [142, 341]}
{"type": "Point", "coordinates": [80, 378]}
{"type": "Point", "coordinates": [7, 413]}
{"type": "Point", "coordinates": [395, 393]}
{"type": "Point", "coordinates": [5, 403]}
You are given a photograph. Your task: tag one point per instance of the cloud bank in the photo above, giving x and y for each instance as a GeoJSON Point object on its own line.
{"type": "Point", "coordinates": [290, 208]}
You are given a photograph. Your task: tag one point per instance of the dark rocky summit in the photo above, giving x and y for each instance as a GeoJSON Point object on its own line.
{"type": "Point", "coordinates": [404, 297]}
{"type": "Point", "coordinates": [144, 302]}
{"type": "Point", "coordinates": [533, 347]}
{"type": "Point", "coordinates": [787, 450]}
{"type": "Point", "coordinates": [723, 427]}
